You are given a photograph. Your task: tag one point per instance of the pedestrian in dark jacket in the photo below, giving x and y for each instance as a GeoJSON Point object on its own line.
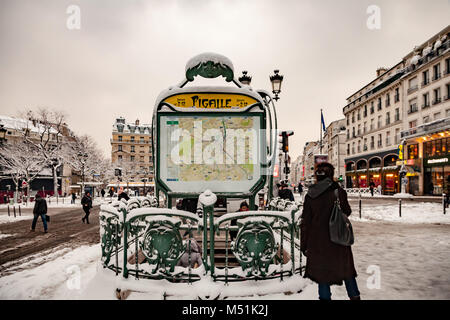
{"type": "Point", "coordinates": [194, 259]}
{"type": "Point", "coordinates": [74, 196]}
{"type": "Point", "coordinates": [86, 202]}
{"type": "Point", "coordinates": [103, 193]}
{"type": "Point", "coordinates": [123, 195]}
{"type": "Point", "coordinates": [327, 263]}
{"type": "Point", "coordinates": [285, 193]}
{"type": "Point", "coordinates": [40, 210]}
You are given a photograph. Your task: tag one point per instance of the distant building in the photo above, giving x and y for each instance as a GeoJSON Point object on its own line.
{"type": "Point", "coordinates": [131, 144]}
{"type": "Point", "coordinates": [335, 146]}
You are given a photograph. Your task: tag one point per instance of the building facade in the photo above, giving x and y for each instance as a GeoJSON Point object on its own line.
{"type": "Point", "coordinates": [131, 149]}
{"type": "Point", "coordinates": [392, 112]}
{"type": "Point", "coordinates": [335, 146]}
{"type": "Point", "coordinates": [426, 124]}
{"type": "Point", "coordinates": [311, 148]}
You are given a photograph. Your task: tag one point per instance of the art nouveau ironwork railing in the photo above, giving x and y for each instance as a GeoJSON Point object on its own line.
{"type": "Point", "coordinates": [141, 241]}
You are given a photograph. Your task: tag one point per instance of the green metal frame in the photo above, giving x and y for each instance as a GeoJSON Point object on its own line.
{"type": "Point", "coordinates": [251, 194]}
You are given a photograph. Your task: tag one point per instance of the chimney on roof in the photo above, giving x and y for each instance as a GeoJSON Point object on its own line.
{"type": "Point", "coordinates": [381, 70]}
{"type": "Point", "coordinates": [136, 122]}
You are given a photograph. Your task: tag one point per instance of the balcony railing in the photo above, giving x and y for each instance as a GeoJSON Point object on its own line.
{"type": "Point", "coordinates": [413, 108]}
{"type": "Point", "coordinates": [436, 76]}
{"type": "Point", "coordinates": [427, 128]}
{"type": "Point", "coordinates": [436, 101]}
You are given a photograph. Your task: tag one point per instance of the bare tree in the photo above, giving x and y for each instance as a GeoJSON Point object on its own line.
{"type": "Point", "coordinates": [129, 171]}
{"type": "Point", "coordinates": [22, 161]}
{"type": "Point", "coordinates": [82, 154]}
{"type": "Point", "coordinates": [45, 130]}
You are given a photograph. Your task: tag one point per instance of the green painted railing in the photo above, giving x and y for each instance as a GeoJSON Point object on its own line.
{"type": "Point", "coordinates": [141, 241]}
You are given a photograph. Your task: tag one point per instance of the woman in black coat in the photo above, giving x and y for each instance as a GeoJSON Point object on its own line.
{"type": "Point", "coordinates": [327, 263]}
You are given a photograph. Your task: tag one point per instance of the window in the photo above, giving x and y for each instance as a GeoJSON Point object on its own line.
{"type": "Point", "coordinates": [359, 146]}
{"type": "Point", "coordinates": [353, 117]}
{"type": "Point", "coordinates": [372, 108]}
{"type": "Point", "coordinates": [372, 142]}
{"type": "Point", "coordinates": [359, 114]}
{"type": "Point", "coordinates": [388, 138]}
{"type": "Point", "coordinates": [353, 132]}
{"type": "Point", "coordinates": [436, 147]}
{"type": "Point", "coordinates": [142, 159]}
{"type": "Point", "coordinates": [348, 134]}
{"type": "Point", "coordinates": [119, 147]}
{"type": "Point", "coordinates": [437, 95]}
{"type": "Point", "coordinates": [132, 138]}
{"type": "Point", "coordinates": [132, 148]}
{"type": "Point", "coordinates": [371, 124]}
{"type": "Point", "coordinates": [379, 122]}
{"type": "Point", "coordinates": [348, 149]}
{"type": "Point", "coordinates": [447, 66]}
{"type": "Point", "coordinates": [436, 71]}
{"type": "Point", "coordinates": [447, 86]}
{"type": "Point", "coordinates": [365, 111]}
{"type": "Point", "coordinates": [388, 118]}
{"type": "Point", "coordinates": [353, 148]}
{"type": "Point", "coordinates": [425, 78]}
{"type": "Point", "coordinates": [426, 100]}
{"type": "Point", "coordinates": [397, 95]}
{"type": "Point", "coordinates": [348, 120]}
{"type": "Point", "coordinates": [412, 85]}
{"type": "Point", "coordinates": [413, 124]}
{"type": "Point", "coordinates": [359, 129]}
{"type": "Point", "coordinates": [412, 106]}
{"type": "Point", "coordinates": [365, 144]}
{"type": "Point", "coordinates": [132, 158]}
{"type": "Point", "coordinates": [120, 128]}
{"type": "Point", "coordinates": [380, 142]}
{"type": "Point", "coordinates": [388, 100]}
{"type": "Point", "coordinates": [141, 140]}
{"type": "Point", "coordinates": [120, 138]}
{"type": "Point", "coordinates": [365, 127]}
{"type": "Point", "coordinates": [119, 157]}
{"type": "Point", "coordinates": [379, 104]}
{"type": "Point", "coordinates": [397, 114]}
{"type": "Point", "coordinates": [397, 136]}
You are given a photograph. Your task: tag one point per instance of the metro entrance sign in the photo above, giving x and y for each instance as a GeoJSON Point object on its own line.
{"type": "Point", "coordinates": [213, 137]}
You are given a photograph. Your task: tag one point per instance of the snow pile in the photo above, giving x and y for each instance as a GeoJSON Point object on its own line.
{"type": "Point", "coordinates": [424, 212]}
{"type": "Point", "coordinates": [207, 198]}
{"type": "Point", "coordinates": [5, 219]}
{"type": "Point", "coordinates": [62, 278]}
{"type": "Point", "coordinates": [209, 56]}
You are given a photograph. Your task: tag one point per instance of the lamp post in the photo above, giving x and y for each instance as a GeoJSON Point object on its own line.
{"type": "Point", "coordinates": [402, 172]}
{"type": "Point", "coordinates": [276, 81]}
{"type": "Point", "coordinates": [83, 158]}
{"type": "Point", "coordinates": [245, 79]}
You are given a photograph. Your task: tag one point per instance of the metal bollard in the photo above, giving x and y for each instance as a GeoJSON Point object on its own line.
{"type": "Point", "coordinates": [20, 211]}
{"type": "Point", "coordinates": [14, 211]}
{"type": "Point", "coordinates": [360, 205]}
{"type": "Point", "coordinates": [444, 202]}
{"type": "Point", "coordinates": [8, 211]}
{"type": "Point", "coordinates": [400, 207]}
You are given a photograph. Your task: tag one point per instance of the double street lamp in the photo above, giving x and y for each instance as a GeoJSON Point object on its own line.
{"type": "Point", "coordinates": [276, 79]}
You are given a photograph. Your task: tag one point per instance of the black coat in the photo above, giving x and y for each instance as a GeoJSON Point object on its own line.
{"type": "Point", "coordinates": [86, 202]}
{"type": "Point", "coordinates": [40, 206]}
{"type": "Point", "coordinates": [123, 195]}
{"type": "Point", "coordinates": [286, 194]}
{"type": "Point", "coordinates": [327, 262]}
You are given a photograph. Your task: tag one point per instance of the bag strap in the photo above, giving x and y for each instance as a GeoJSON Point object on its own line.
{"type": "Point", "coordinates": [336, 193]}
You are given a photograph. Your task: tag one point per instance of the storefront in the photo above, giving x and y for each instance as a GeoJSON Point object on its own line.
{"type": "Point", "coordinates": [375, 176]}
{"type": "Point", "coordinates": [390, 180]}
{"type": "Point", "coordinates": [437, 175]}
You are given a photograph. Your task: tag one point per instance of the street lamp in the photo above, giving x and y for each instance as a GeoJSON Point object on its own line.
{"type": "Point", "coordinates": [245, 79]}
{"type": "Point", "coordinates": [276, 81]}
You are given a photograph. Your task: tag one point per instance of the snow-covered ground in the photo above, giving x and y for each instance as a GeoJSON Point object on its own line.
{"type": "Point", "coordinates": [76, 274]}
{"type": "Point", "coordinates": [54, 203]}
{"type": "Point", "coordinates": [423, 212]}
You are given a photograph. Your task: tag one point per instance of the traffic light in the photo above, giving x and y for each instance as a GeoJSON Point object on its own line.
{"type": "Point", "coordinates": [285, 140]}
{"type": "Point", "coordinates": [340, 178]}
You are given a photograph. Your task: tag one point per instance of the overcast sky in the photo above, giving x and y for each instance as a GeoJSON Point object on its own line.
{"type": "Point", "coordinates": [126, 52]}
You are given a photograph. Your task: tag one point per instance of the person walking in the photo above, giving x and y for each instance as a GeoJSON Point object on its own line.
{"type": "Point", "coordinates": [327, 263]}
{"type": "Point", "coordinates": [371, 187]}
{"type": "Point", "coordinates": [300, 189]}
{"type": "Point", "coordinates": [74, 196]}
{"type": "Point", "coordinates": [86, 202]}
{"type": "Point", "coordinates": [39, 210]}
{"type": "Point", "coordinates": [285, 193]}
{"type": "Point", "coordinates": [103, 193]}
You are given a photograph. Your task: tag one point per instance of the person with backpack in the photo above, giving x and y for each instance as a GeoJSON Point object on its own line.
{"type": "Point", "coordinates": [86, 202]}
{"type": "Point", "coordinates": [328, 263]}
{"type": "Point", "coordinates": [39, 210]}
